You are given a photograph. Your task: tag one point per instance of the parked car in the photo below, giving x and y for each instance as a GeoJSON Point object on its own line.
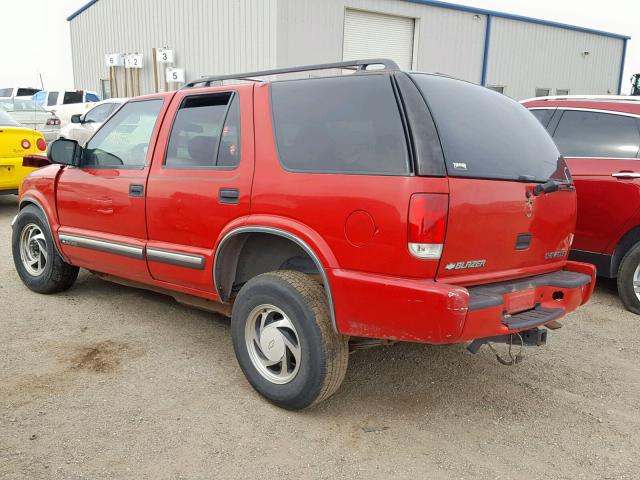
{"type": "Point", "coordinates": [66, 103]}
{"type": "Point", "coordinates": [600, 139]}
{"type": "Point", "coordinates": [50, 98]}
{"type": "Point", "coordinates": [31, 115]}
{"type": "Point", "coordinates": [318, 212]}
{"type": "Point", "coordinates": [15, 142]}
{"type": "Point", "coordinates": [82, 126]}
{"type": "Point", "coordinates": [20, 92]}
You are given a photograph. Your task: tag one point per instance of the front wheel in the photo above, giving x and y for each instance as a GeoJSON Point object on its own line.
{"type": "Point", "coordinates": [35, 257]}
{"type": "Point", "coordinates": [284, 339]}
{"type": "Point", "coordinates": [629, 280]}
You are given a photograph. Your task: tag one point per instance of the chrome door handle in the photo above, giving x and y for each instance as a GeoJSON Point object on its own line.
{"type": "Point", "coordinates": [626, 175]}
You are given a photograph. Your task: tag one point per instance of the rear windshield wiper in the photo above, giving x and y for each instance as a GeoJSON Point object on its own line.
{"type": "Point", "coordinates": [552, 186]}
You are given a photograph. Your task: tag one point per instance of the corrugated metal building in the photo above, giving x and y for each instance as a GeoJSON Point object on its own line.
{"type": "Point", "coordinates": [520, 56]}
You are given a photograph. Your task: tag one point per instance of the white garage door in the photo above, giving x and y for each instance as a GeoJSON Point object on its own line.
{"type": "Point", "coordinates": [371, 35]}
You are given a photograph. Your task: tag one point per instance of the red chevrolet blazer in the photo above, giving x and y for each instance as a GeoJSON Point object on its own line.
{"type": "Point", "coordinates": [318, 213]}
{"type": "Point", "coordinates": [600, 139]}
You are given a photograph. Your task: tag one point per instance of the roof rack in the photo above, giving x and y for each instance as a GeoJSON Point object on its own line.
{"type": "Point", "coordinates": [352, 64]}
{"type": "Point", "coordinates": [624, 98]}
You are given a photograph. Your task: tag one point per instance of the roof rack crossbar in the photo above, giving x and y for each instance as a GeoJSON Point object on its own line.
{"type": "Point", "coordinates": [623, 98]}
{"type": "Point", "coordinates": [352, 64]}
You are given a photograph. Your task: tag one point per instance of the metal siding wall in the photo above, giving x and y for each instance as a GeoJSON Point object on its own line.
{"type": "Point", "coordinates": [446, 41]}
{"type": "Point", "coordinates": [525, 56]}
{"type": "Point", "coordinates": [208, 37]}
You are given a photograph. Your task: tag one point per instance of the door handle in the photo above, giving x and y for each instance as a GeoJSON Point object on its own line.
{"type": "Point", "coordinates": [136, 190]}
{"type": "Point", "coordinates": [229, 196]}
{"type": "Point", "coordinates": [626, 175]}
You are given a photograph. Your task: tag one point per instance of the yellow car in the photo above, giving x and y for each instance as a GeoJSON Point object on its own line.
{"type": "Point", "coordinates": [15, 142]}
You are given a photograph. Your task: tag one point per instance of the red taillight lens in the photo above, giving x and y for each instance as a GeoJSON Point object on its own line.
{"type": "Point", "coordinates": [427, 224]}
{"type": "Point", "coordinates": [41, 144]}
{"type": "Point", "coordinates": [25, 144]}
{"type": "Point", "coordinates": [53, 121]}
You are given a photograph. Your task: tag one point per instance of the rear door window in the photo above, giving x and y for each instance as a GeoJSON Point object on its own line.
{"type": "Point", "coordinates": [595, 134]}
{"type": "Point", "coordinates": [205, 132]}
{"type": "Point", "coordinates": [72, 97]}
{"type": "Point", "coordinates": [488, 135]}
{"type": "Point", "coordinates": [348, 124]}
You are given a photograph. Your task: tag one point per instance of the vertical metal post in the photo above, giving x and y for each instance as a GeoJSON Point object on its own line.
{"type": "Point", "coordinates": [154, 61]}
{"type": "Point", "coordinates": [126, 81]}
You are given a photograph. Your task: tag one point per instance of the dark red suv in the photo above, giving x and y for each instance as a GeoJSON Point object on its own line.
{"type": "Point", "coordinates": [318, 213]}
{"type": "Point", "coordinates": [600, 139]}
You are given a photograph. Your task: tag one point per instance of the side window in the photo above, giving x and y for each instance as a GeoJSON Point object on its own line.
{"type": "Point", "coordinates": [205, 132]}
{"type": "Point", "coordinates": [543, 92]}
{"type": "Point", "coordinates": [98, 114]}
{"type": "Point", "coordinates": [123, 141]}
{"type": "Point", "coordinates": [593, 134]}
{"type": "Point", "coordinates": [92, 97]}
{"type": "Point", "coordinates": [543, 115]}
{"type": "Point", "coordinates": [53, 98]}
{"type": "Point", "coordinates": [72, 97]}
{"type": "Point", "coordinates": [348, 124]}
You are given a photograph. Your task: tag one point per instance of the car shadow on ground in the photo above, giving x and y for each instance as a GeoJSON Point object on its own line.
{"type": "Point", "coordinates": [405, 378]}
{"type": "Point", "coordinates": [8, 204]}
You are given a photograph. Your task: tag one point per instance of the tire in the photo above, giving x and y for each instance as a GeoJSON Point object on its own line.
{"type": "Point", "coordinates": [293, 310]}
{"type": "Point", "coordinates": [628, 273]}
{"type": "Point", "coordinates": [35, 256]}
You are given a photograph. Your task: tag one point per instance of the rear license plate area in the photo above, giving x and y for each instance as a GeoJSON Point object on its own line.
{"type": "Point", "coordinates": [521, 301]}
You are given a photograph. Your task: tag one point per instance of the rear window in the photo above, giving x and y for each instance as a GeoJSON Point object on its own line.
{"type": "Point", "coordinates": [27, 92]}
{"type": "Point", "coordinates": [488, 135]}
{"type": "Point", "coordinates": [6, 120]}
{"type": "Point", "coordinates": [347, 124]}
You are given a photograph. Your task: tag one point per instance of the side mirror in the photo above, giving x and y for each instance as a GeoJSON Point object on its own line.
{"type": "Point", "coordinates": [65, 152]}
{"type": "Point", "coordinates": [77, 118]}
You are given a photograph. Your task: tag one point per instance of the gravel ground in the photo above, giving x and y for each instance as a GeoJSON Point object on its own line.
{"type": "Point", "coordinates": [105, 381]}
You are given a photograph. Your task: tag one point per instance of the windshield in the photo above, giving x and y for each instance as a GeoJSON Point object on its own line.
{"type": "Point", "coordinates": [486, 134]}
{"type": "Point", "coordinates": [6, 120]}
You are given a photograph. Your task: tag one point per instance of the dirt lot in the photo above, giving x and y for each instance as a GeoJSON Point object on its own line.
{"type": "Point", "coordinates": [111, 382]}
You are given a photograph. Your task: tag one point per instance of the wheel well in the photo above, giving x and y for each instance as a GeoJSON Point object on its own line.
{"type": "Point", "coordinates": [246, 255]}
{"type": "Point", "coordinates": [624, 245]}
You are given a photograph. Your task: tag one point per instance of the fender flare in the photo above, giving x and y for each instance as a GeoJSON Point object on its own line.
{"type": "Point", "coordinates": [29, 200]}
{"type": "Point", "coordinates": [282, 233]}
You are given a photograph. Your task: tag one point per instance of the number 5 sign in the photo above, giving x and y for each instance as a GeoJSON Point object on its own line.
{"type": "Point", "coordinates": [164, 55]}
{"type": "Point", "coordinates": [114, 60]}
{"type": "Point", "coordinates": [133, 60]}
{"type": "Point", "coordinates": [175, 75]}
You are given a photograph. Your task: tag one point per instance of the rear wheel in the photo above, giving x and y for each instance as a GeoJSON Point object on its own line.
{"type": "Point", "coordinates": [629, 280]}
{"type": "Point", "coordinates": [284, 339]}
{"type": "Point", "coordinates": [35, 257]}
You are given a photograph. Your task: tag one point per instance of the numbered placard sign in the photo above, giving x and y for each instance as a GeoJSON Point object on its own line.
{"type": "Point", "coordinates": [114, 59]}
{"type": "Point", "coordinates": [133, 60]}
{"type": "Point", "coordinates": [175, 75]}
{"type": "Point", "coordinates": [164, 55]}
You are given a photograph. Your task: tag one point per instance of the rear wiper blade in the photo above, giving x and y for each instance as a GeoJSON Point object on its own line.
{"type": "Point", "coordinates": [552, 186]}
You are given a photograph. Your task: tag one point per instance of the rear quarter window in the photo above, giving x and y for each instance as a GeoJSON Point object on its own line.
{"type": "Point", "coordinates": [485, 134]}
{"type": "Point", "coordinates": [347, 124]}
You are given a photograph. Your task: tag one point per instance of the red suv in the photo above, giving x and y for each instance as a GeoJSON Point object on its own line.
{"type": "Point", "coordinates": [318, 212]}
{"type": "Point", "coordinates": [600, 140]}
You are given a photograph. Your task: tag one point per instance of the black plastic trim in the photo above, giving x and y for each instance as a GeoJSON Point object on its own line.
{"type": "Point", "coordinates": [602, 261]}
{"type": "Point", "coordinates": [531, 318]}
{"type": "Point", "coordinates": [491, 295]}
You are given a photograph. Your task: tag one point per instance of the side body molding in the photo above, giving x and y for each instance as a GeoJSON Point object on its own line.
{"type": "Point", "coordinates": [218, 264]}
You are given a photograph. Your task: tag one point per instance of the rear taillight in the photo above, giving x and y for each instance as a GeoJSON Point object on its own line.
{"type": "Point", "coordinates": [41, 144]}
{"type": "Point", "coordinates": [53, 121]}
{"type": "Point", "coordinates": [427, 224]}
{"type": "Point", "coordinates": [25, 144]}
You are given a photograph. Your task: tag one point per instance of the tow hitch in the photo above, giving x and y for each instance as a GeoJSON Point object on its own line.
{"type": "Point", "coordinates": [534, 337]}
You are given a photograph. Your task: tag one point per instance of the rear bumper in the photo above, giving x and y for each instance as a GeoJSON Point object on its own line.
{"type": "Point", "coordinates": [11, 174]}
{"type": "Point", "coordinates": [432, 312]}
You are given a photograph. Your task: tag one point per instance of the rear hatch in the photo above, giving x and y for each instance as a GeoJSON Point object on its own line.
{"type": "Point", "coordinates": [496, 153]}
